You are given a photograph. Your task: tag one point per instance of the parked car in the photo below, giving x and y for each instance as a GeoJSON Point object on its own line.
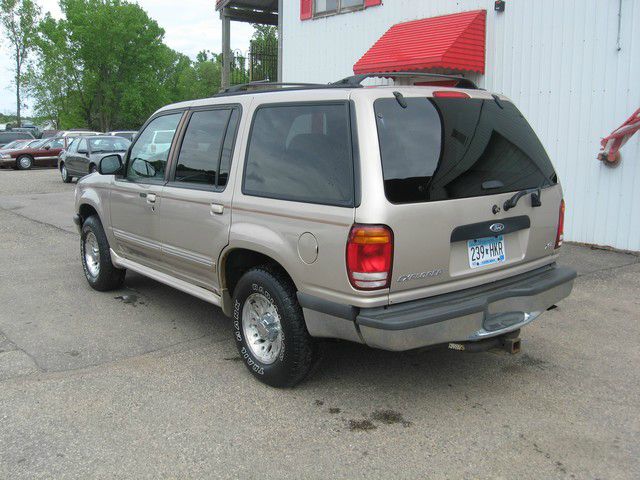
{"type": "Point", "coordinates": [396, 216]}
{"type": "Point", "coordinates": [78, 133]}
{"type": "Point", "coordinates": [41, 153]}
{"type": "Point", "coordinates": [84, 154]}
{"type": "Point", "coordinates": [128, 134]}
{"type": "Point", "coordinates": [32, 129]}
{"type": "Point", "coordinates": [10, 136]}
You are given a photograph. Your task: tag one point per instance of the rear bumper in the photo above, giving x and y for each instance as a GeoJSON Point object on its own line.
{"type": "Point", "coordinates": [467, 315]}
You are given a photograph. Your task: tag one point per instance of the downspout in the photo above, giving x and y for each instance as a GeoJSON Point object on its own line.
{"type": "Point", "coordinates": [280, 38]}
{"type": "Point", "coordinates": [619, 39]}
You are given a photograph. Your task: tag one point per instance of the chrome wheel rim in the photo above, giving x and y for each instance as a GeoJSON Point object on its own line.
{"type": "Point", "coordinates": [92, 254]}
{"type": "Point", "coordinates": [25, 162]}
{"type": "Point", "coordinates": [63, 172]}
{"type": "Point", "coordinates": [262, 328]}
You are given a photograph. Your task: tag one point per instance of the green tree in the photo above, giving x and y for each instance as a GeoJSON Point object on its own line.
{"type": "Point", "coordinates": [111, 65]}
{"type": "Point", "coordinates": [19, 19]}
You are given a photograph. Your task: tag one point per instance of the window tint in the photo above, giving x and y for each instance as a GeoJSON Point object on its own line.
{"type": "Point", "coordinates": [199, 157]}
{"type": "Point", "coordinates": [301, 153]}
{"type": "Point", "coordinates": [148, 158]}
{"type": "Point", "coordinates": [446, 148]}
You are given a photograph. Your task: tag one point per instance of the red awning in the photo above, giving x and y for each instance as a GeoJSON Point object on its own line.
{"type": "Point", "coordinates": [451, 42]}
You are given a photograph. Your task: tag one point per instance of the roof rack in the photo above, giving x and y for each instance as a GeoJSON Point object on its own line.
{"type": "Point", "coordinates": [263, 85]}
{"type": "Point", "coordinates": [356, 80]}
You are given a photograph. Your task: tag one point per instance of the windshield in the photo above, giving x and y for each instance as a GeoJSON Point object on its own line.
{"type": "Point", "coordinates": [108, 144]}
{"type": "Point", "coordinates": [447, 148]}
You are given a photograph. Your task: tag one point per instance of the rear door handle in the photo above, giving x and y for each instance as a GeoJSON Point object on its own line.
{"type": "Point", "coordinates": [151, 198]}
{"type": "Point", "coordinates": [217, 209]}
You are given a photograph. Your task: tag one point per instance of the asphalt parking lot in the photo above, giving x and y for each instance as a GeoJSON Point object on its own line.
{"type": "Point", "coordinates": [146, 382]}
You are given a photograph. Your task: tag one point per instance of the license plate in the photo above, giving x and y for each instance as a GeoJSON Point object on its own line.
{"type": "Point", "coordinates": [486, 251]}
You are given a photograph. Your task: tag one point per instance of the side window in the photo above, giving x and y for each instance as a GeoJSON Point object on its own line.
{"type": "Point", "coordinates": [301, 153]}
{"type": "Point", "coordinates": [149, 155]}
{"type": "Point", "coordinates": [57, 143]}
{"type": "Point", "coordinates": [82, 146]}
{"type": "Point", "coordinates": [202, 148]}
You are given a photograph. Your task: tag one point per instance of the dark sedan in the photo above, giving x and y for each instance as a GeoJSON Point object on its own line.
{"type": "Point", "coordinates": [10, 136]}
{"type": "Point", "coordinates": [84, 154]}
{"type": "Point", "coordinates": [42, 153]}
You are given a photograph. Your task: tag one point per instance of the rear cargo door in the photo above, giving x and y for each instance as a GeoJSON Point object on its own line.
{"type": "Point", "coordinates": [449, 165]}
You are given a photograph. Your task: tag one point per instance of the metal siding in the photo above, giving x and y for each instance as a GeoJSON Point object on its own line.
{"type": "Point", "coordinates": [556, 59]}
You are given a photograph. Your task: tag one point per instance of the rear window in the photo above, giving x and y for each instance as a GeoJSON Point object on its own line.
{"type": "Point", "coordinates": [448, 148]}
{"type": "Point", "coordinates": [301, 153]}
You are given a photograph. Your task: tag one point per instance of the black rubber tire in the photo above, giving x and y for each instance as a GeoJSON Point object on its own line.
{"type": "Point", "coordinates": [299, 349]}
{"type": "Point", "coordinates": [20, 167]}
{"type": "Point", "coordinates": [65, 178]}
{"type": "Point", "coordinates": [109, 277]}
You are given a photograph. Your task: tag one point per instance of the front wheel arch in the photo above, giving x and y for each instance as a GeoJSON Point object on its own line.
{"type": "Point", "coordinates": [85, 211]}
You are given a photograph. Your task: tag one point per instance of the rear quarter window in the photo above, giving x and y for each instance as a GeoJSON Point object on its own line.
{"type": "Point", "coordinates": [301, 153]}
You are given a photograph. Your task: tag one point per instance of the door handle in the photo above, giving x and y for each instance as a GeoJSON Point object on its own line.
{"type": "Point", "coordinates": [151, 198]}
{"type": "Point", "coordinates": [217, 209]}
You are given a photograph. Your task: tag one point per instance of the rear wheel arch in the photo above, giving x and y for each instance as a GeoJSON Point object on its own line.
{"type": "Point", "coordinates": [236, 262]}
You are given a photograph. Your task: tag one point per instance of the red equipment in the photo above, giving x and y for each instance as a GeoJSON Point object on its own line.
{"type": "Point", "coordinates": [611, 145]}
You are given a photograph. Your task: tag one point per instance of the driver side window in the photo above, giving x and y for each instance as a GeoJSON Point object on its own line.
{"type": "Point", "coordinates": [149, 154]}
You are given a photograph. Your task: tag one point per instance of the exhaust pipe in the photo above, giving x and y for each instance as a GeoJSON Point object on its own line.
{"type": "Point", "coordinates": [509, 342]}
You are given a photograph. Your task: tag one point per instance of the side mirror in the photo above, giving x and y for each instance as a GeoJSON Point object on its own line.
{"type": "Point", "coordinates": [48, 147]}
{"type": "Point", "coordinates": [110, 165]}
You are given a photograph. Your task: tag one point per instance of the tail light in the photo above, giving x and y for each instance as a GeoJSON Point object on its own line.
{"type": "Point", "coordinates": [369, 256]}
{"type": "Point", "coordinates": [560, 234]}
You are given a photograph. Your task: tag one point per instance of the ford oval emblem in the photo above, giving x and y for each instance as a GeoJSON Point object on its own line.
{"type": "Point", "coordinates": [497, 227]}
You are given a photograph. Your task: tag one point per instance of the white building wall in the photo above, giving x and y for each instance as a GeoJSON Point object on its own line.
{"type": "Point", "coordinates": [559, 62]}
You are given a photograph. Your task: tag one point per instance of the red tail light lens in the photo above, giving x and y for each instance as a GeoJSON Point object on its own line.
{"type": "Point", "coordinates": [449, 94]}
{"type": "Point", "coordinates": [369, 256]}
{"type": "Point", "coordinates": [560, 234]}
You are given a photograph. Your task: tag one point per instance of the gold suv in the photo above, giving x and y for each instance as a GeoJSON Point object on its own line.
{"type": "Point", "coordinates": [394, 216]}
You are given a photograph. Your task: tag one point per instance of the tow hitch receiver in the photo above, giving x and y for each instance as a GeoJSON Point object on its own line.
{"type": "Point", "coordinates": [509, 342]}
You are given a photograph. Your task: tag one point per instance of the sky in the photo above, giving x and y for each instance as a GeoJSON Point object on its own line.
{"type": "Point", "coordinates": [190, 27]}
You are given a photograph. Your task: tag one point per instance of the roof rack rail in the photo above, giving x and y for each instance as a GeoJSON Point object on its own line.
{"type": "Point", "coordinates": [356, 80]}
{"type": "Point", "coordinates": [266, 85]}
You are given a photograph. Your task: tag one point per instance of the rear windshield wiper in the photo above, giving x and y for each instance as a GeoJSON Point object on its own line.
{"type": "Point", "coordinates": [536, 198]}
